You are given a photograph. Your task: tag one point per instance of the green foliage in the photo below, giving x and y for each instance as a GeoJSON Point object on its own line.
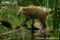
{"type": "Point", "coordinates": [10, 13]}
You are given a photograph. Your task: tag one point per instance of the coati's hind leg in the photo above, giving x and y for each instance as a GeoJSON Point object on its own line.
{"type": "Point", "coordinates": [43, 30]}
{"type": "Point", "coordinates": [43, 23]}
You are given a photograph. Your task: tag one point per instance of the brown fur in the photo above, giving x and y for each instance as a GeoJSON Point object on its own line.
{"type": "Point", "coordinates": [38, 11]}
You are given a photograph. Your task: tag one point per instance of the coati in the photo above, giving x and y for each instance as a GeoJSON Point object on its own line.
{"type": "Point", "coordinates": [35, 12]}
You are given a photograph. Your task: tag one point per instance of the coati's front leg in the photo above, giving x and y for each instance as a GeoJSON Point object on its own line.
{"type": "Point", "coordinates": [24, 22]}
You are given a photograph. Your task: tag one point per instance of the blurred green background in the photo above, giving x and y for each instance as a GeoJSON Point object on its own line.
{"type": "Point", "coordinates": [9, 11]}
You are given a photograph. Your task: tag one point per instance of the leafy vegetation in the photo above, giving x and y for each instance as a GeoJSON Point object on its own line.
{"type": "Point", "coordinates": [11, 13]}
